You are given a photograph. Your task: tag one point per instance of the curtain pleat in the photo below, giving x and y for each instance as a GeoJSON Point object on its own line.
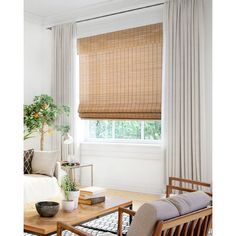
{"type": "Point", "coordinates": [63, 81]}
{"type": "Point", "coordinates": [184, 92]}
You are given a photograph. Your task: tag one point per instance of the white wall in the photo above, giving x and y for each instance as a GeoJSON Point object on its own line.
{"type": "Point", "coordinates": [132, 167]}
{"type": "Point", "coordinates": [119, 22]}
{"type": "Point", "coordinates": [37, 67]}
{"type": "Point", "coordinates": [138, 168]}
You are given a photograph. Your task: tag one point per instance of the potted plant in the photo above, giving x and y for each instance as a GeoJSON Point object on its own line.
{"type": "Point", "coordinates": [71, 194]}
{"type": "Point", "coordinates": [41, 115]}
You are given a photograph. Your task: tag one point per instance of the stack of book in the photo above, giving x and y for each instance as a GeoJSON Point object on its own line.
{"type": "Point", "coordinates": [92, 195]}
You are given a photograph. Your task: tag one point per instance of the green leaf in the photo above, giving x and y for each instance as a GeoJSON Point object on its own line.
{"type": "Point", "coordinates": [43, 110]}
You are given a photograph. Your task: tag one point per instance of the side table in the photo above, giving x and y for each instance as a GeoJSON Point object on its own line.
{"type": "Point", "coordinates": [71, 170]}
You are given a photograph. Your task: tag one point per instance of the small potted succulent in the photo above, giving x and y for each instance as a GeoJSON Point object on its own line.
{"type": "Point", "coordinates": [71, 194]}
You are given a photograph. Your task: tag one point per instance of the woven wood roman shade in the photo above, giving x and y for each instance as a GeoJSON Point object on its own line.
{"type": "Point", "coordinates": [121, 74]}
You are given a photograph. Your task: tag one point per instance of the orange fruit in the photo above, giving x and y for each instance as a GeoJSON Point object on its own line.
{"type": "Point", "coordinates": [36, 115]}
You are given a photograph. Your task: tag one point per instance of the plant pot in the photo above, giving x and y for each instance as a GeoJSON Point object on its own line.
{"type": "Point", "coordinates": [68, 206]}
{"type": "Point", "coordinates": [74, 195]}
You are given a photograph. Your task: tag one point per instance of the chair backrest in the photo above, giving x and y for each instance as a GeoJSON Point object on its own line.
{"type": "Point", "coordinates": [147, 216]}
{"type": "Point", "coordinates": [196, 223]}
{"type": "Point", "coordinates": [186, 185]}
{"type": "Point", "coordinates": [160, 216]}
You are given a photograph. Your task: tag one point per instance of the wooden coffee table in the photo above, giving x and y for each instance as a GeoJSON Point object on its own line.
{"type": "Point", "coordinates": [35, 224]}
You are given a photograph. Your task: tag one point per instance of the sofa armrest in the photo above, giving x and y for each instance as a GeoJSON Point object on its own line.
{"type": "Point", "coordinates": [59, 172]}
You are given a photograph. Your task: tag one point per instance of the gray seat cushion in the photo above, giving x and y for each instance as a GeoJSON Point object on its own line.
{"type": "Point", "coordinates": [188, 202]}
{"type": "Point", "coordinates": [148, 214]}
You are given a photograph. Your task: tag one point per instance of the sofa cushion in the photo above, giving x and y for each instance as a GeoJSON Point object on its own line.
{"type": "Point", "coordinates": [188, 202]}
{"type": "Point", "coordinates": [44, 162]}
{"type": "Point", "coordinates": [40, 188]}
{"type": "Point", "coordinates": [148, 214]}
{"type": "Point", "coordinates": [28, 156]}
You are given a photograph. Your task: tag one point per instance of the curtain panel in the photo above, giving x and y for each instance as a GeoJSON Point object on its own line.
{"type": "Point", "coordinates": [121, 74]}
{"type": "Point", "coordinates": [64, 81]}
{"type": "Point", "coordinates": [185, 90]}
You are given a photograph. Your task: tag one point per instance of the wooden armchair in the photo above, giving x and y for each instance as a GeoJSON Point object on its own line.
{"type": "Point", "coordinates": [172, 185]}
{"type": "Point", "coordinates": [161, 218]}
{"type": "Point", "coordinates": [193, 224]}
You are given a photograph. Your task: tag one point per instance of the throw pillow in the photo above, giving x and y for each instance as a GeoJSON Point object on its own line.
{"type": "Point", "coordinates": [28, 156]}
{"type": "Point", "coordinates": [44, 162]}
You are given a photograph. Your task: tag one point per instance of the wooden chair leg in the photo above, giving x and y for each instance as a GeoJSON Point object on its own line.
{"type": "Point", "coordinates": [120, 219]}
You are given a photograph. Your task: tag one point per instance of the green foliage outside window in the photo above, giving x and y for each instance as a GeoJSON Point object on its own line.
{"type": "Point", "coordinates": [100, 129]}
{"type": "Point", "coordinates": [128, 129]}
{"type": "Point", "coordinates": [152, 130]}
{"type": "Point", "coordinates": [125, 129]}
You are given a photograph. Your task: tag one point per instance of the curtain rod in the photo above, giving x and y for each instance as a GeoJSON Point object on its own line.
{"type": "Point", "coordinates": [116, 13]}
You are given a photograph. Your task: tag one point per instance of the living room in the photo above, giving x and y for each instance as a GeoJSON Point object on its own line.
{"type": "Point", "coordinates": [118, 107]}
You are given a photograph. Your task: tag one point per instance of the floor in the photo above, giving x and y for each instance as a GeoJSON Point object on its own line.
{"type": "Point", "coordinates": [137, 198]}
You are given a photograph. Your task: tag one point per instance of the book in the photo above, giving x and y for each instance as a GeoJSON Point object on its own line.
{"type": "Point", "coordinates": [92, 201]}
{"type": "Point", "coordinates": [92, 190]}
{"type": "Point", "coordinates": [88, 196]}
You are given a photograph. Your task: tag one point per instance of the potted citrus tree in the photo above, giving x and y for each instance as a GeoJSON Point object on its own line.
{"type": "Point", "coordinates": [71, 194]}
{"type": "Point", "coordinates": [41, 116]}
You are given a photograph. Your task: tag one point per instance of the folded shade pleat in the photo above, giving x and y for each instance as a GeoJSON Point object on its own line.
{"type": "Point", "coordinates": [121, 74]}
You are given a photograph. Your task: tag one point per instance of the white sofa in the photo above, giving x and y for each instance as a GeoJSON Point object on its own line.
{"type": "Point", "coordinates": [39, 187]}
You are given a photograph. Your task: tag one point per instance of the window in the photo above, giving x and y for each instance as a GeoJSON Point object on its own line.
{"type": "Point", "coordinates": [124, 130]}
{"type": "Point", "coordinates": [121, 84]}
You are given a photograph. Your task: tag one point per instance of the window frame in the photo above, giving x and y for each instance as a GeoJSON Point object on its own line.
{"type": "Point", "coordinates": [117, 140]}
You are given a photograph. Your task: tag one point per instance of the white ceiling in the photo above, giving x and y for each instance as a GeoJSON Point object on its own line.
{"type": "Point", "coordinates": [53, 12]}
{"type": "Point", "coordinates": [48, 8]}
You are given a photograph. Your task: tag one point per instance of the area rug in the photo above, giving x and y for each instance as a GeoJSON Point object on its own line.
{"type": "Point", "coordinates": [98, 226]}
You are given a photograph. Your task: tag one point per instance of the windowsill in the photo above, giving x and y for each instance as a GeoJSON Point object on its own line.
{"type": "Point", "coordinates": [122, 143]}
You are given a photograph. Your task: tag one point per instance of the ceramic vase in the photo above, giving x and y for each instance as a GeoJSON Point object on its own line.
{"type": "Point", "coordinates": [74, 195]}
{"type": "Point", "coordinates": [68, 206]}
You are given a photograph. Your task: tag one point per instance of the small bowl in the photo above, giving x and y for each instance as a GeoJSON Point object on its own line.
{"type": "Point", "coordinates": [47, 208]}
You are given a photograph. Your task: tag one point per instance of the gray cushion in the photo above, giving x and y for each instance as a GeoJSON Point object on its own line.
{"type": "Point", "coordinates": [148, 214]}
{"type": "Point", "coordinates": [188, 202]}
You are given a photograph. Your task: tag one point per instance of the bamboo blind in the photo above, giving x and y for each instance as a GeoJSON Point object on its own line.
{"type": "Point", "coordinates": [121, 74]}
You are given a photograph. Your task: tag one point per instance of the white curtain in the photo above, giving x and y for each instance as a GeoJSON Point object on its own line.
{"type": "Point", "coordinates": [64, 85]}
{"type": "Point", "coordinates": [185, 90]}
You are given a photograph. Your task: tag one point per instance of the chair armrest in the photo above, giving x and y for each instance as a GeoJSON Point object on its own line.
{"type": "Point", "coordinates": [122, 210]}
{"type": "Point", "coordinates": [61, 226]}
{"type": "Point", "coordinates": [126, 210]}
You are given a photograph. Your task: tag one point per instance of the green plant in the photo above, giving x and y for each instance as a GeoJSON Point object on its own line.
{"type": "Point", "coordinates": [41, 115]}
{"type": "Point", "coordinates": [68, 185]}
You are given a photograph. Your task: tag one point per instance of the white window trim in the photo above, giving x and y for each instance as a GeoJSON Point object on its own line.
{"type": "Point", "coordinates": [116, 140]}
